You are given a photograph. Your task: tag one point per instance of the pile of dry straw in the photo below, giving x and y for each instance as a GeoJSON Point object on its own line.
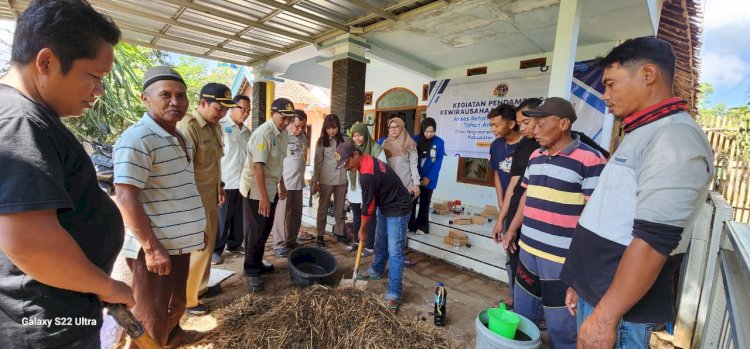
{"type": "Point", "coordinates": [319, 317]}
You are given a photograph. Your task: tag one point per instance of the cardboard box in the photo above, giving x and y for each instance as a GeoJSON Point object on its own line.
{"type": "Point", "coordinates": [490, 209]}
{"type": "Point", "coordinates": [452, 242]}
{"type": "Point", "coordinates": [478, 220]}
{"type": "Point", "coordinates": [443, 211]}
{"type": "Point", "coordinates": [462, 220]}
{"type": "Point", "coordinates": [455, 234]}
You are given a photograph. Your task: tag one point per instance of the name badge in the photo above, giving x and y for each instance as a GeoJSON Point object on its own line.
{"type": "Point", "coordinates": [433, 153]}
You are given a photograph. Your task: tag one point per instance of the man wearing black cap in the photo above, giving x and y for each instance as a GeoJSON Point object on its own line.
{"type": "Point", "coordinates": [161, 207]}
{"type": "Point", "coordinates": [261, 177]}
{"type": "Point", "coordinates": [382, 189]}
{"type": "Point", "coordinates": [59, 233]}
{"type": "Point", "coordinates": [560, 177]}
{"type": "Point", "coordinates": [202, 127]}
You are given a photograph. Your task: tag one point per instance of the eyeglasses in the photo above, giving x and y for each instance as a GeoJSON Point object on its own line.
{"type": "Point", "coordinates": [393, 127]}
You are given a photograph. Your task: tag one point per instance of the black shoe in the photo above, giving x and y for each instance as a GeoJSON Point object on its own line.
{"type": "Point", "coordinates": [212, 291]}
{"type": "Point", "coordinates": [198, 310]}
{"type": "Point", "coordinates": [343, 239]}
{"type": "Point", "coordinates": [254, 283]}
{"type": "Point", "coordinates": [267, 269]}
{"type": "Point", "coordinates": [320, 242]}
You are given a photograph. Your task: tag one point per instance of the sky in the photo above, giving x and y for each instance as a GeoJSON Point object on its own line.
{"type": "Point", "coordinates": [725, 54]}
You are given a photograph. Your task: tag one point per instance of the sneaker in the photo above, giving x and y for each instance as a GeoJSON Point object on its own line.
{"type": "Point", "coordinates": [367, 252]}
{"type": "Point", "coordinates": [353, 246]}
{"type": "Point", "coordinates": [320, 241]}
{"type": "Point", "coordinates": [216, 259]}
{"type": "Point", "coordinates": [238, 249]}
{"type": "Point", "coordinates": [255, 283]}
{"type": "Point", "coordinates": [198, 310]}
{"type": "Point", "coordinates": [408, 262]}
{"type": "Point", "coordinates": [343, 239]}
{"type": "Point", "coordinates": [212, 291]}
{"type": "Point", "coordinates": [420, 232]}
{"type": "Point", "coordinates": [281, 251]}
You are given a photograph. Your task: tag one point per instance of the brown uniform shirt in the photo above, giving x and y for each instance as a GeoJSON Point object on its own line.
{"type": "Point", "coordinates": [209, 149]}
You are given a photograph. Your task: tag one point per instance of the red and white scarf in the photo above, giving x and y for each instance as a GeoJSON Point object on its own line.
{"type": "Point", "coordinates": [655, 112]}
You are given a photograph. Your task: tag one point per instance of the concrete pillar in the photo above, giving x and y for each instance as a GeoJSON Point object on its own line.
{"type": "Point", "coordinates": [348, 70]}
{"type": "Point", "coordinates": [564, 54]}
{"type": "Point", "coordinates": [260, 104]}
{"type": "Point", "coordinates": [348, 91]}
{"type": "Point", "coordinates": [263, 94]}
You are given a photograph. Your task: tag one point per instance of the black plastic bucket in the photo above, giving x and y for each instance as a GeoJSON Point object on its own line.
{"type": "Point", "coordinates": [312, 265]}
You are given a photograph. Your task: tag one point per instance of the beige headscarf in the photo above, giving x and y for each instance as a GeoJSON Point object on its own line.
{"type": "Point", "coordinates": [400, 145]}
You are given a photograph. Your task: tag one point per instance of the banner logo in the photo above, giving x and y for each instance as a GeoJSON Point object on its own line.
{"type": "Point", "coordinates": [501, 90]}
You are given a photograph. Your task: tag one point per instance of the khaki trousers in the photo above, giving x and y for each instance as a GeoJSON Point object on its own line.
{"type": "Point", "coordinates": [200, 261]}
{"type": "Point", "coordinates": [339, 198]}
{"type": "Point", "coordinates": [287, 220]}
{"type": "Point", "coordinates": [160, 300]}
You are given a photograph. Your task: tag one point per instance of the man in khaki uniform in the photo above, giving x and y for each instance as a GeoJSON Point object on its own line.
{"type": "Point", "coordinates": [202, 127]}
{"type": "Point", "coordinates": [258, 186]}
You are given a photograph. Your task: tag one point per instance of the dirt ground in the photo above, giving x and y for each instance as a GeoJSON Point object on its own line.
{"type": "Point", "coordinates": [468, 292]}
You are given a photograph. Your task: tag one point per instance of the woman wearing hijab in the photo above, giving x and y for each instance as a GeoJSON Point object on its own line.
{"type": "Point", "coordinates": [430, 151]}
{"type": "Point", "coordinates": [401, 152]}
{"type": "Point", "coordinates": [365, 145]}
{"type": "Point", "coordinates": [328, 180]}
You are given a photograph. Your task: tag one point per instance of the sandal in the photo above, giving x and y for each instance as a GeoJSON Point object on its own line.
{"type": "Point", "coordinates": [367, 277]}
{"type": "Point", "coordinates": [392, 306]}
{"type": "Point", "coordinates": [305, 237]}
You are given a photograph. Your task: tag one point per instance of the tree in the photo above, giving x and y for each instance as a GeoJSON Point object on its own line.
{"type": "Point", "coordinates": [121, 104]}
{"type": "Point", "coordinates": [195, 74]}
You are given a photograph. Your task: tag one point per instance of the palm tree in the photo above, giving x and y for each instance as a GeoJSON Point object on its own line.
{"type": "Point", "coordinates": [120, 106]}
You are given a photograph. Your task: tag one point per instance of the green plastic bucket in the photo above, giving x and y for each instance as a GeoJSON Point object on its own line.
{"type": "Point", "coordinates": [503, 322]}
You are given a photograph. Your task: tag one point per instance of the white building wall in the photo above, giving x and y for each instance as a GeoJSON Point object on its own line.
{"type": "Point", "coordinates": [382, 77]}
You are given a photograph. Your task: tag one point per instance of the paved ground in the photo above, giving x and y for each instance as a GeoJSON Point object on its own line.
{"type": "Point", "coordinates": [468, 292]}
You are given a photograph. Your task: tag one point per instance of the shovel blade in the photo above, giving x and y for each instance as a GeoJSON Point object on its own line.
{"type": "Point", "coordinates": [352, 283]}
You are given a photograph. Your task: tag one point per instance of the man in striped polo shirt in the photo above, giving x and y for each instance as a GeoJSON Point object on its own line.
{"type": "Point", "coordinates": [560, 177]}
{"type": "Point", "coordinates": [161, 207]}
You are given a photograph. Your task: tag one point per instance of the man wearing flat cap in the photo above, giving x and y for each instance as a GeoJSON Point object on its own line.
{"type": "Point", "coordinates": [203, 129]}
{"type": "Point", "coordinates": [161, 207]}
{"type": "Point", "coordinates": [262, 185]}
{"type": "Point", "coordinates": [559, 179]}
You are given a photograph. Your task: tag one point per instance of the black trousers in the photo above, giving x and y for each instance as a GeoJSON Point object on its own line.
{"type": "Point", "coordinates": [357, 213]}
{"type": "Point", "coordinates": [511, 263]}
{"type": "Point", "coordinates": [421, 219]}
{"type": "Point", "coordinates": [230, 231]}
{"type": "Point", "coordinates": [257, 229]}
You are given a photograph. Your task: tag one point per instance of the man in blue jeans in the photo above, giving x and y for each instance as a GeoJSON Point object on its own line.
{"type": "Point", "coordinates": [381, 189]}
{"type": "Point", "coordinates": [635, 229]}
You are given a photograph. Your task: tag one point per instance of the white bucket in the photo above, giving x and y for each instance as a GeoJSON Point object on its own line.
{"type": "Point", "coordinates": [486, 339]}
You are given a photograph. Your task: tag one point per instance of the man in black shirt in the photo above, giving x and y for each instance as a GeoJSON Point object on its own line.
{"type": "Point", "coordinates": [381, 189]}
{"type": "Point", "coordinates": [59, 233]}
